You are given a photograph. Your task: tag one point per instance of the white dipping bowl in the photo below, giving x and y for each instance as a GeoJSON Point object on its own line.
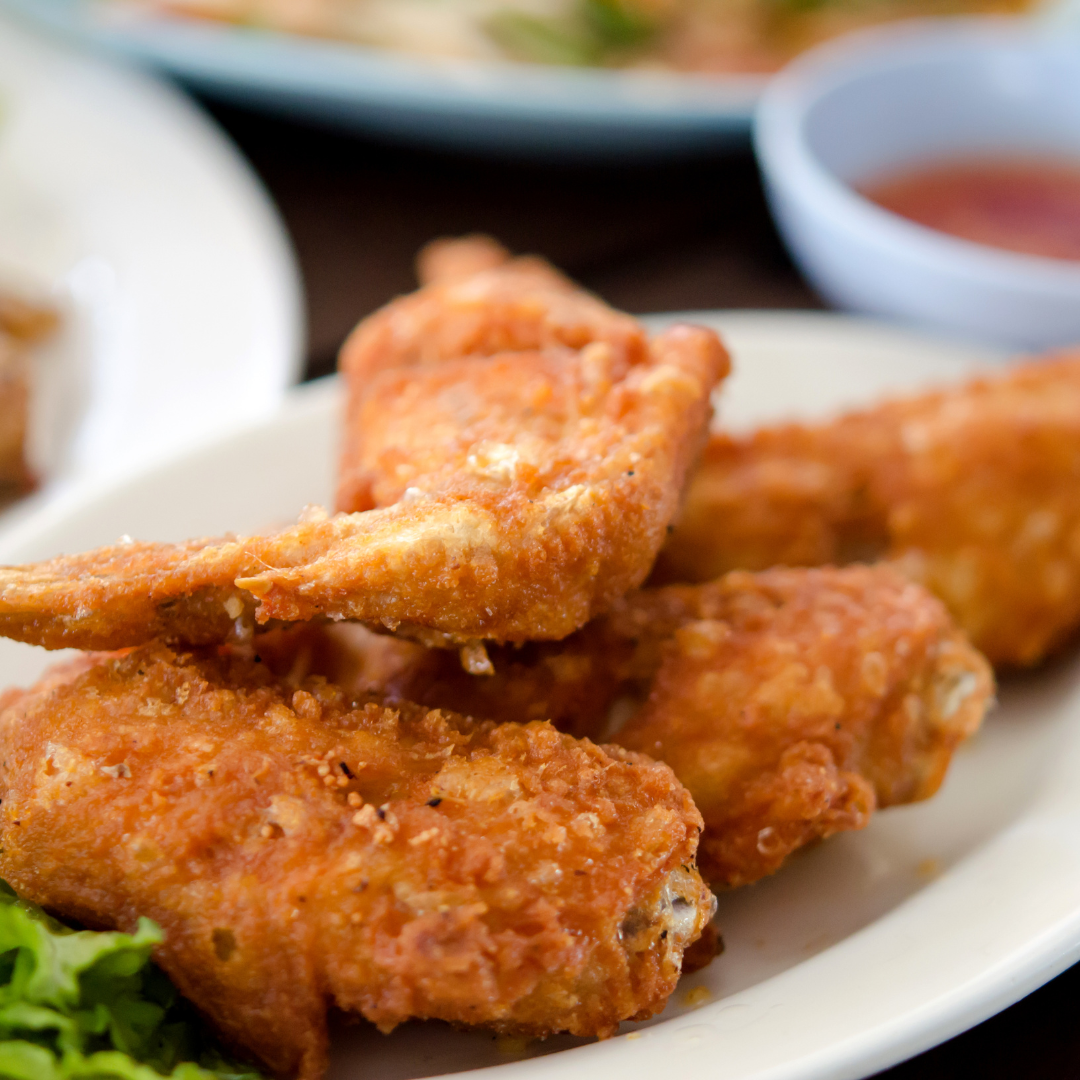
{"type": "Point", "coordinates": [889, 99]}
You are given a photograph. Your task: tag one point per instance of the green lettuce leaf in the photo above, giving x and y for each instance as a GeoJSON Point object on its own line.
{"type": "Point", "coordinates": [83, 1005]}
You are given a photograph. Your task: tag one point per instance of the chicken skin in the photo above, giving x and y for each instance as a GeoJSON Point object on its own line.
{"type": "Point", "coordinates": [973, 492]}
{"type": "Point", "coordinates": [476, 303]}
{"type": "Point", "coordinates": [791, 703]}
{"type": "Point", "coordinates": [303, 850]}
{"type": "Point", "coordinates": [508, 496]}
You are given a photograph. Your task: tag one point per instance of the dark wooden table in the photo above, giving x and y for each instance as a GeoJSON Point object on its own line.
{"type": "Point", "coordinates": [693, 234]}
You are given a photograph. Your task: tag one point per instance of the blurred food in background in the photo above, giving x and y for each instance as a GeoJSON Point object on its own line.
{"type": "Point", "coordinates": [681, 35]}
{"type": "Point", "coordinates": [22, 325]}
{"type": "Point", "coordinates": [175, 293]}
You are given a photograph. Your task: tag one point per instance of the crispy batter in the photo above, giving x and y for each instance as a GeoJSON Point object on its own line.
{"type": "Point", "coordinates": [519, 494]}
{"type": "Point", "coordinates": [790, 702]}
{"type": "Point", "coordinates": [476, 300]}
{"type": "Point", "coordinates": [782, 496]}
{"type": "Point", "coordinates": [480, 304]}
{"type": "Point", "coordinates": [301, 850]}
{"type": "Point", "coordinates": [572, 682]}
{"type": "Point", "coordinates": [974, 491]}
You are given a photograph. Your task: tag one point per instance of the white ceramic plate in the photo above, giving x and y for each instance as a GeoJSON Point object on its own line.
{"type": "Point", "coordinates": [122, 204]}
{"type": "Point", "coordinates": [863, 950]}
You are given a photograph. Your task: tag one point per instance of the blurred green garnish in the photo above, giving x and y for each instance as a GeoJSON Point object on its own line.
{"type": "Point", "coordinates": [595, 32]}
{"type": "Point", "coordinates": [543, 41]}
{"type": "Point", "coordinates": [616, 23]}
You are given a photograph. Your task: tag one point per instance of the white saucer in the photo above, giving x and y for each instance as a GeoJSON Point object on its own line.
{"type": "Point", "coordinates": [862, 951]}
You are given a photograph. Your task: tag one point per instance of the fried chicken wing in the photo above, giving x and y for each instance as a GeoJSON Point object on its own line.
{"type": "Point", "coordinates": [479, 304]}
{"type": "Point", "coordinates": [302, 850]}
{"type": "Point", "coordinates": [789, 495]}
{"type": "Point", "coordinates": [502, 497]}
{"type": "Point", "coordinates": [973, 491]}
{"type": "Point", "coordinates": [572, 682]}
{"type": "Point", "coordinates": [790, 702]}
{"type": "Point", "coordinates": [476, 300]}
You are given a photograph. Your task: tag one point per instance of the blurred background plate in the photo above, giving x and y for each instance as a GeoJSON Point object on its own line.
{"type": "Point", "coordinates": [496, 106]}
{"type": "Point", "coordinates": [490, 106]}
{"type": "Point", "coordinates": [123, 205]}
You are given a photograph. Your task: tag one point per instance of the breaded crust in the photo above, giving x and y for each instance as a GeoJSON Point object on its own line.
{"type": "Point", "coordinates": [476, 300]}
{"type": "Point", "coordinates": [572, 682]}
{"type": "Point", "coordinates": [301, 850]}
{"type": "Point", "coordinates": [790, 702]}
{"type": "Point", "coordinates": [520, 494]}
{"type": "Point", "coordinates": [476, 304]}
{"type": "Point", "coordinates": [790, 495]}
{"type": "Point", "coordinates": [973, 491]}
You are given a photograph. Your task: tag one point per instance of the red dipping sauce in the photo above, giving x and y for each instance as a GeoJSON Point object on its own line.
{"type": "Point", "coordinates": [1026, 205]}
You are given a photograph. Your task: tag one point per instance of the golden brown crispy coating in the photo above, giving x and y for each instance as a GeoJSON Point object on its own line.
{"type": "Point", "coordinates": [974, 491]}
{"type": "Point", "coordinates": [477, 304]}
{"type": "Point", "coordinates": [572, 682]}
{"type": "Point", "coordinates": [476, 300]}
{"type": "Point", "coordinates": [790, 702]}
{"type": "Point", "coordinates": [789, 495]}
{"type": "Point", "coordinates": [519, 494]}
{"type": "Point", "coordinates": [302, 851]}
